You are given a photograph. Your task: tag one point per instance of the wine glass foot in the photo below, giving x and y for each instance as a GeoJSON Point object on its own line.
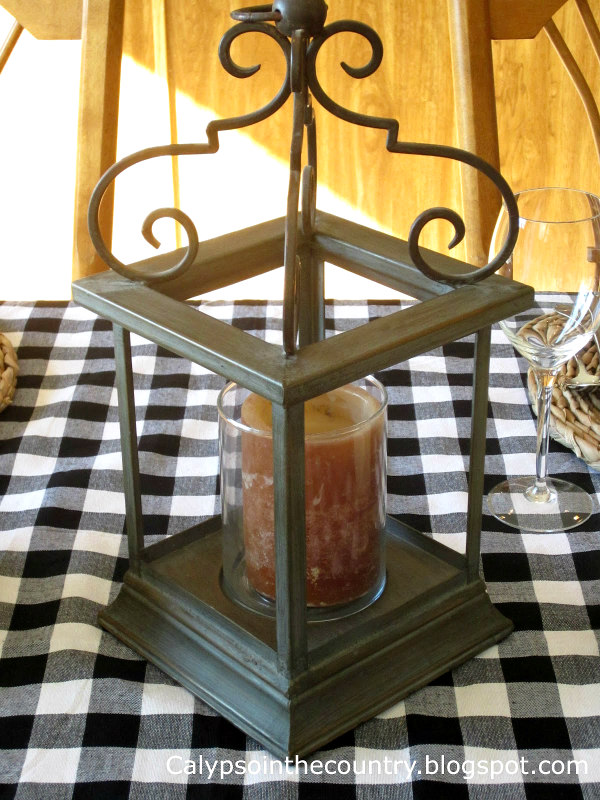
{"type": "Point", "coordinates": [568, 506]}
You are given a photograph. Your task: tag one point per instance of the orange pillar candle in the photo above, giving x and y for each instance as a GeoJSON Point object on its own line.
{"type": "Point", "coordinates": [345, 494]}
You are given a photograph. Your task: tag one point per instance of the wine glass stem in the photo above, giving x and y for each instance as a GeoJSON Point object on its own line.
{"type": "Point", "coordinates": [540, 492]}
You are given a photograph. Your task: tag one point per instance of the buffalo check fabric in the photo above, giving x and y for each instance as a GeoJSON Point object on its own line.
{"type": "Point", "coordinates": [82, 716]}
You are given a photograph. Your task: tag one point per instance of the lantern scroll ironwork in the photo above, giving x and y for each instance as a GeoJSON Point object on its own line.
{"type": "Point", "coordinates": [305, 33]}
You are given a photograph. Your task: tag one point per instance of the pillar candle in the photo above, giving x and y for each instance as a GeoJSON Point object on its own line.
{"type": "Point", "coordinates": [345, 491]}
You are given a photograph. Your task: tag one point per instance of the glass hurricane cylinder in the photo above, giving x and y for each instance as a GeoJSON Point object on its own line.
{"type": "Point", "coordinates": [345, 487]}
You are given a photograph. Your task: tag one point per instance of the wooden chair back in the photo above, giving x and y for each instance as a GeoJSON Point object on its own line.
{"type": "Point", "coordinates": [99, 23]}
{"type": "Point", "coordinates": [474, 24]}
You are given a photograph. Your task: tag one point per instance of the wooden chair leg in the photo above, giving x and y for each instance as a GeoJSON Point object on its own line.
{"type": "Point", "coordinates": [475, 108]}
{"type": "Point", "coordinates": [9, 43]}
{"type": "Point", "coordinates": [570, 63]}
{"type": "Point", "coordinates": [163, 67]}
{"type": "Point", "coordinates": [102, 33]}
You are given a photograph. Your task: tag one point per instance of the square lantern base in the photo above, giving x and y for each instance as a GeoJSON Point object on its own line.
{"type": "Point", "coordinates": [175, 614]}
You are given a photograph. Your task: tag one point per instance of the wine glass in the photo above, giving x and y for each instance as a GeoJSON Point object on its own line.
{"type": "Point", "coordinates": [558, 252]}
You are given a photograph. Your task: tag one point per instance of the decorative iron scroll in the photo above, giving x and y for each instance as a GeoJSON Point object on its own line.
{"type": "Point", "coordinates": [211, 146]}
{"type": "Point", "coordinates": [300, 32]}
{"type": "Point", "coordinates": [412, 148]}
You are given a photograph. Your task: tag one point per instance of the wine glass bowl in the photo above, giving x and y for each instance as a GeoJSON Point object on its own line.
{"type": "Point", "coordinates": [549, 340]}
{"type": "Point", "coordinates": [556, 252]}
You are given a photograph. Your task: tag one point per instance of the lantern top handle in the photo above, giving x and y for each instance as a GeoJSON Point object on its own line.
{"type": "Point", "coordinates": [288, 15]}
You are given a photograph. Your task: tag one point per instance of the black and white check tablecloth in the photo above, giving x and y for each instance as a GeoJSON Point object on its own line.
{"type": "Point", "coordinates": [81, 716]}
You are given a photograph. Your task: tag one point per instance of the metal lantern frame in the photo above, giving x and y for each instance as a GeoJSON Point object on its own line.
{"type": "Point", "coordinates": [294, 684]}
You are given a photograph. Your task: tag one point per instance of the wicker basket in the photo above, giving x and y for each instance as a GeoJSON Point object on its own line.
{"type": "Point", "coordinates": [575, 412]}
{"type": "Point", "coordinates": [9, 369]}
